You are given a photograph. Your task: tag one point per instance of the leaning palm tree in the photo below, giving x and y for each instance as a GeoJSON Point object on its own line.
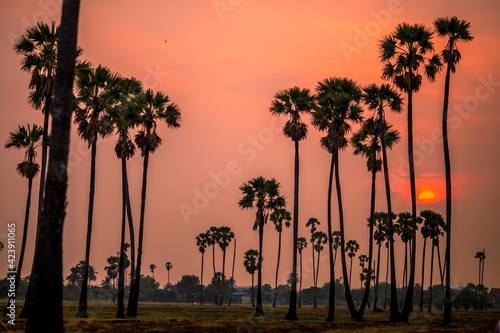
{"type": "Point", "coordinates": [457, 31]}
{"type": "Point", "coordinates": [318, 239]}
{"type": "Point", "coordinates": [98, 91]}
{"type": "Point", "coordinates": [264, 195]}
{"type": "Point", "coordinates": [168, 266]}
{"type": "Point", "coordinates": [280, 217]}
{"type": "Point", "coordinates": [45, 312]}
{"type": "Point", "coordinates": [301, 244]}
{"type": "Point", "coordinates": [226, 236]}
{"type": "Point", "coordinates": [202, 243]}
{"type": "Point", "coordinates": [28, 139]}
{"type": "Point", "coordinates": [404, 52]}
{"type": "Point", "coordinates": [250, 263]}
{"type": "Point", "coordinates": [154, 109]}
{"type": "Point", "coordinates": [293, 102]}
{"type": "Point", "coordinates": [378, 98]}
{"type": "Point", "coordinates": [338, 105]}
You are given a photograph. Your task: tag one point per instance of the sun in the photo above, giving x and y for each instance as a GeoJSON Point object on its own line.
{"type": "Point", "coordinates": [427, 196]}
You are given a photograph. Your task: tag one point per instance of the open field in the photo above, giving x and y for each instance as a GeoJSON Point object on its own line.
{"type": "Point", "coordinates": [158, 317]}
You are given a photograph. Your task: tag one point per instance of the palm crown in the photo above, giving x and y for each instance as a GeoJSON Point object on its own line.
{"type": "Point", "coordinates": [28, 138]}
{"type": "Point", "coordinates": [280, 215]}
{"type": "Point", "coordinates": [202, 242]}
{"type": "Point", "coordinates": [301, 244]}
{"type": "Point", "coordinates": [456, 30]}
{"type": "Point", "coordinates": [250, 261]}
{"type": "Point", "coordinates": [225, 237]}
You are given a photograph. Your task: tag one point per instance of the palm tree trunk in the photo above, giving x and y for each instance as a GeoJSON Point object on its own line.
{"type": "Point", "coordinates": [45, 313]}
{"type": "Point", "coordinates": [430, 283]}
{"type": "Point", "coordinates": [331, 297]}
{"type": "Point", "coordinates": [441, 275]}
{"type": "Point", "coordinates": [82, 304]}
{"type": "Point", "coordinates": [405, 274]}
{"type": "Point", "coordinates": [292, 309]}
{"type": "Point", "coordinates": [395, 315]}
{"type": "Point", "coordinates": [277, 269]}
{"type": "Point", "coordinates": [482, 272]}
{"type": "Point", "coordinates": [215, 284]}
{"type": "Point", "coordinates": [253, 302]}
{"type": "Point", "coordinates": [408, 305]}
{"type": "Point", "coordinates": [221, 301]}
{"type": "Point", "coordinates": [300, 290]}
{"type": "Point", "coordinates": [377, 278]}
{"type": "Point", "coordinates": [315, 305]}
{"type": "Point", "coordinates": [447, 297]}
{"type": "Point", "coordinates": [232, 275]}
{"type": "Point", "coordinates": [423, 270]}
{"type": "Point", "coordinates": [350, 273]}
{"type": "Point", "coordinates": [134, 280]}
{"type": "Point", "coordinates": [386, 275]}
{"type": "Point", "coordinates": [314, 269]}
{"type": "Point", "coordinates": [348, 296]}
{"type": "Point", "coordinates": [201, 278]}
{"type": "Point", "coordinates": [121, 263]}
{"type": "Point", "coordinates": [259, 310]}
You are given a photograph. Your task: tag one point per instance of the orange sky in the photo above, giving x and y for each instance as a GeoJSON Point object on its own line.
{"type": "Point", "coordinates": [222, 67]}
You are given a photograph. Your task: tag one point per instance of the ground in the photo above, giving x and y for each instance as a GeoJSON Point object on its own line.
{"type": "Point", "coordinates": [159, 317]}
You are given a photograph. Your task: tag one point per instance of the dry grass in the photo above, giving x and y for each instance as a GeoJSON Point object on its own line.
{"type": "Point", "coordinates": [157, 317]}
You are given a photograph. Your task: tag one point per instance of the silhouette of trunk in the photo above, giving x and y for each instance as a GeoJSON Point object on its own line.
{"type": "Point", "coordinates": [423, 270]}
{"type": "Point", "coordinates": [315, 305]}
{"type": "Point", "coordinates": [221, 301]}
{"type": "Point", "coordinates": [395, 315]}
{"type": "Point", "coordinates": [82, 304]}
{"type": "Point", "coordinates": [482, 273]}
{"type": "Point", "coordinates": [314, 270]}
{"type": "Point", "coordinates": [253, 302]}
{"type": "Point", "coordinates": [292, 309]}
{"type": "Point", "coordinates": [120, 313]}
{"type": "Point", "coordinates": [447, 297]}
{"type": "Point", "coordinates": [45, 302]}
{"type": "Point", "coordinates": [232, 275]}
{"type": "Point", "coordinates": [430, 283]}
{"type": "Point", "coordinates": [404, 275]}
{"type": "Point", "coordinates": [259, 310]}
{"type": "Point", "coordinates": [377, 278]}
{"type": "Point", "coordinates": [277, 269]}
{"type": "Point", "coordinates": [386, 276]}
{"type": "Point", "coordinates": [331, 296]}
{"type": "Point", "coordinates": [441, 275]}
{"type": "Point", "coordinates": [215, 284]}
{"type": "Point", "coordinates": [201, 289]}
{"type": "Point", "coordinates": [300, 290]}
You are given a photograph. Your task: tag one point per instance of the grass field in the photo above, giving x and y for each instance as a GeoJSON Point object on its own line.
{"type": "Point", "coordinates": [158, 317]}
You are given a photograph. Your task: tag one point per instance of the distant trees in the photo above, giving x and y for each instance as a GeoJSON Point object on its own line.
{"type": "Point", "coordinates": [168, 266]}
{"type": "Point", "coordinates": [202, 242]}
{"type": "Point", "coordinates": [280, 218]}
{"type": "Point", "coordinates": [250, 263]}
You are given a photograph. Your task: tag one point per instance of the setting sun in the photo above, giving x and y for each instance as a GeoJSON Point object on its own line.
{"type": "Point", "coordinates": [426, 196]}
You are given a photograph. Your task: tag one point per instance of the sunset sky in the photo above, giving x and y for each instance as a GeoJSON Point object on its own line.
{"type": "Point", "coordinates": [222, 62]}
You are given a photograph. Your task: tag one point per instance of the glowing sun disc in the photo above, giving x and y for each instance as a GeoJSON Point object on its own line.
{"type": "Point", "coordinates": [426, 196]}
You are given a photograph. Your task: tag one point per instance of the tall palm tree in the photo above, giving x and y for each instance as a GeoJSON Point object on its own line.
{"type": "Point", "coordinates": [457, 31]}
{"type": "Point", "coordinates": [264, 195]}
{"type": "Point", "coordinates": [202, 243]}
{"type": "Point", "coordinates": [280, 217]}
{"type": "Point", "coordinates": [436, 226]}
{"type": "Point", "coordinates": [351, 247]}
{"type": "Point", "coordinates": [226, 236]}
{"type": "Point", "coordinates": [154, 108]}
{"type": "Point", "coordinates": [404, 52]}
{"type": "Point", "coordinates": [45, 312]}
{"type": "Point", "coordinates": [312, 222]}
{"type": "Point", "coordinates": [481, 256]}
{"type": "Point", "coordinates": [378, 98]}
{"type": "Point", "coordinates": [97, 92]}
{"type": "Point", "coordinates": [293, 102]}
{"type": "Point", "coordinates": [232, 275]}
{"type": "Point", "coordinates": [338, 105]}
{"type": "Point", "coordinates": [152, 268]}
{"type": "Point", "coordinates": [318, 239]}
{"type": "Point", "coordinates": [250, 263]}
{"type": "Point", "coordinates": [168, 266]}
{"type": "Point", "coordinates": [425, 230]}
{"type": "Point", "coordinates": [301, 244]}
{"type": "Point", "coordinates": [380, 235]}
{"type": "Point", "coordinates": [28, 139]}
{"type": "Point", "coordinates": [403, 227]}
{"type": "Point", "coordinates": [213, 238]}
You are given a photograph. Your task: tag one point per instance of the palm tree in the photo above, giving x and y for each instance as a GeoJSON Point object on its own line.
{"type": "Point", "coordinates": [293, 102]}
{"type": "Point", "coordinates": [97, 92]}
{"type": "Point", "coordinates": [335, 244]}
{"type": "Point", "coordinates": [312, 222]}
{"type": "Point", "coordinates": [202, 243]}
{"type": "Point", "coordinates": [232, 275]}
{"type": "Point", "coordinates": [28, 139]}
{"type": "Point", "coordinates": [351, 247]}
{"type": "Point", "coordinates": [380, 235]}
{"type": "Point", "coordinates": [379, 98]}
{"type": "Point", "coordinates": [279, 216]}
{"type": "Point", "coordinates": [45, 312]}
{"type": "Point", "coordinates": [338, 104]}
{"type": "Point", "coordinates": [403, 227]}
{"type": "Point", "coordinates": [155, 108]}
{"type": "Point", "coordinates": [76, 276]}
{"type": "Point", "coordinates": [226, 235]}
{"type": "Point", "coordinates": [481, 256]}
{"type": "Point", "coordinates": [405, 51]}
{"type": "Point", "coordinates": [301, 244]}
{"type": "Point", "coordinates": [427, 216]}
{"type": "Point", "coordinates": [152, 268]}
{"type": "Point", "coordinates": [250, 263]}
{"type": "Point", "coordinates": [457, 31]}
{"type": "Point", "coordinates": [436, 226]}
{"type": "Point", "coordinates": [168, 266]}
{"type": "Point", "coordinates": [213, 238]}
{"type": "Point", "coordinates": [264, 195]}
{"type": "Point", "coordinates": [362, 261]}
{"type": "Point", "coordinates": [318, 239]}
{"type": "Point", "coordinates": [112, 271]}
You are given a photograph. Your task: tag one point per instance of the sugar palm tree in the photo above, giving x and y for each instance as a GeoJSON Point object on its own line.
{"type": "Point", "coordinates": [264, 195]}
{"type": "Point", "coordinates": [335, 244]}
{"type": "Point", "coordinates": [232, 275]}
{"type": "Point", "coordinates": [28, 139]}
{"type": "Point", "coordinates": [301, 244]}
{"type": "Point", "coordinates": [312, 222]}
{"type": "Point", "coordinates": [226, 236]}
{"type": "Point", "coordinates": [45, 312]}
{"type": "Point", "coordinates": [404, 52]}
{"type": "Point", "coordinates": [380, 235]}
{"type": "Point", "coordinates": [155, 108]}
{"type": "Point", "coordinates": [152, 268]}
{"type": "Point", "coordinates": [202, 243]}
{"type": "Point", "coordinates": [338, 105]}
{"type": "Point", "coordinates": [362, 261]}
{"type": "Point", "coordinates": [436, 227]}
{"type": "Point", "coordinates": [250, 263]}
{"type": "Point", "coordinates": [456, 31]}
{"type": "Point", "coordinates": [318, 239]}
{"type": "Point", "coordinates": [293, 102]}
{"type": "Point", "coordinates": [481, 256]}
{"type": "Point", "coordinates": [97, 92]}
{"type": "Point", "coordinates": [280, 217]}
{"type": "Point", "coordinates": [425, 230]}
{"type": "Point", "coordinates": [379, 98]}
{"type": "Point", "coordinates": [213, 239]}
{"type": "Point", "coordinates": [351, 247]}
{"type": "Point", "coordinates": [168, 266]}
